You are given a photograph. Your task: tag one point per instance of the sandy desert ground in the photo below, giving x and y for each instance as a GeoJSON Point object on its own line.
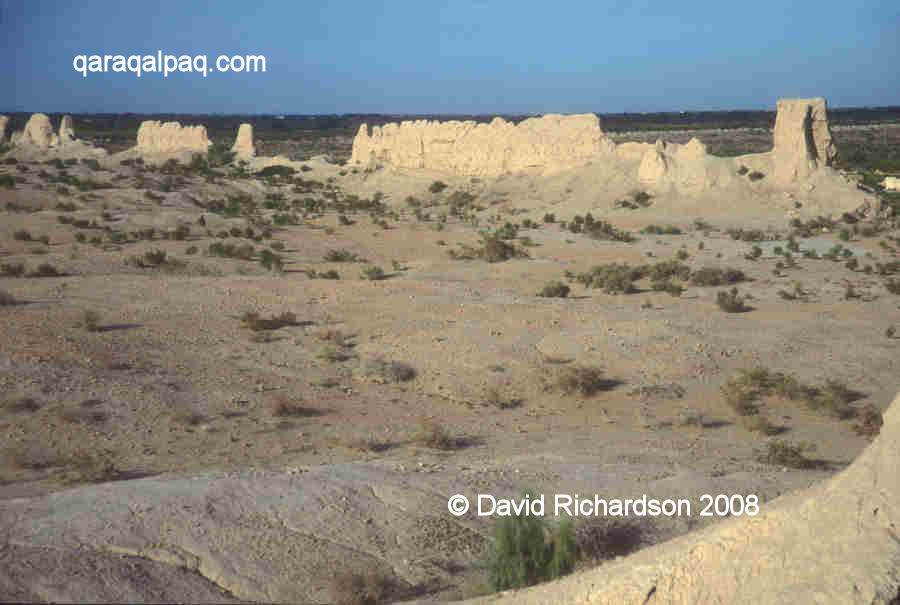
{"type": "Point", "coordinates": [181, 425]}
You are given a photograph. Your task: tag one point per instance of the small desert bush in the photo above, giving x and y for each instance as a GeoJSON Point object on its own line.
{"type": "Point", "coordinates": [782, 453]}
{"type": "Point", "coordinates": [22, 235]}
{"type": "Point", "coordinates": [495, 250]}
{"type": "Point", "coordinates": [584, 380]}
{"type": "Point", "coordinates": [614, 278]}
{"type": "Point", "coordinates": [188, 417]}
{"type": "Point", "coordinates": [748, 235]}
{"type": "Point", "coordinates": [255, 322]}
{"type": "Point", "coordinates": [82, 415]}
{"type": "Point", "coordinates": [20, 404]}
{"type": "Point", "coordinates": [759, 423]}
{"type": "Point", "coordinates": [90, 320]}
{"type": "Point", "coordinates": [271, 261]}
{"type": "Point", "coordinates": [870, 421]}
{"type": "Point", "coordinates": [554, 289]}
{"type": "Point", "coordinates": [526, 552]}
{"type": "Point", "coordinates": [756, 176]}
{"type": "Point", "coordinates": [228, 250]}
{"type": "Point", "coordinates": [342, 256]}
{"type": "Point", "coordinates": [387, 371]}
{"type": "Point", "coordinates": [334, 354]}
{"type": "Point", "coordinates": [373, 272]}
{"type": "Point", "coordinates": [496, 397]}
{"type": "Point", "coordinates": [91, 467]}
{"type": "Point", "coordinates": [45, 270]}
{"type": "Point", "coordinates": [12, 269]}
{"type": "Point", "coordinates": [661, 230]}
{"type": "Point", "coordinates": [330, 274]}
{"type": "Point", "coordinates": [7, 299]}
{"type": "Point", "coordinates": [668, 287]}
{"type": "Point", "coordinates": [371, 588]}
{"type": "Point", "coordinates": [731, 301]}
{"type": "Point", "coordinates": [711, 276]}
{"type": "Point", "coordinates": [283, 407]}
{"type": "Point", "coordinates": [433, 434]}
{"type": "Point", "coordinates": [437, 187]}
{"type": "Point", "coordinates": [743, 392]}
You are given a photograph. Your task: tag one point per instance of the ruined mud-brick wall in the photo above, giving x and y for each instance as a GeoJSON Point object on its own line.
{"type": "Point", "coordinates": [156, 137]}
{"type": "Point", "coordinates": [469, 148]}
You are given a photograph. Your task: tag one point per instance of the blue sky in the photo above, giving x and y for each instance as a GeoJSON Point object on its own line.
{"type": "Point", "coordinates": [462, 56]}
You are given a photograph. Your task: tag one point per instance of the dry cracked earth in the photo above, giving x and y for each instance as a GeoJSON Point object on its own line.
{"type": "Point", "coordinates": [191, 427]}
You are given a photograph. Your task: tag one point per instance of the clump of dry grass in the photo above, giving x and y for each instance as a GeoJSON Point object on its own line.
{"type": "Point", "coordinates": [83, 415]}
{"type": "Point", "coordinates": [759, 423]}
{"type": "Point", "coordinates": [21, 404]}
{"type": "Point", "coordinates": [870, 422]}
{"type": "Point", "coordinates": [353, 588]}
{"type": "Point", "coordinates": [90, 320]}
{"type": "Point", "coordinates": [782, 453]}
{"type": "Point", "coordinates": [7, 299]}
{"type": "Point", "coordinates": [257, 323]}
{"type": "Point", "coordinates": [497, 397]}
{"type": "Point", "coordinates": [281, 406]}
{"type": "Point", "coordinates": [91, 467]}
{"type": "Point", "coordinates": [434, 434]}
{"type": "Point", "coordinates": [743, 392]}
{"type": "Point", "coordinates": [188, 418]}
{"type": "Point", "coordinates": [384, 371]}
{"type": "Point", "coordinates": [581, 379]}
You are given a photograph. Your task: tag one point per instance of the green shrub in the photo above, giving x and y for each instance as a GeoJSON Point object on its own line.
{"type": "Point", "coordinates": [756, 176]}
{"type": "Point", "coordinates": [342, 256]}
{"type": "Point", "coordinates": [45, 270]}
{"type": "Point", "coordinates": [90, 321]}
{"type": "Point", "coordinates": [271, 261]}
{"type": "Point", "coordinates": [373, 272]}
{"type": "Point", "coordinates": [554, 289]}
{"type": "Point", "coordinates": [437, 187]}
{"type": "Point", "coordinates": [276, 171]}
{"type": "Point", "coordinates": [711, 276]}
{"type": "Point", "coordinates": [782, 453]}
{"type": "Point", "coordinates": [730, 301]}
{"type": "Point", "coordinates": [754, 253]}
{"type": "Point", "coordinates": [22, 235]}
{"type": "Point", "coordinates": [522, 555]}
{"type": "Point", "coordinates": [12, 269]}
{"type": "Point", "coordinates": [257, 323]}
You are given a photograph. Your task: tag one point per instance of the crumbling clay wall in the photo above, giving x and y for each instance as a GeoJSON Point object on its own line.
{"type": "Point", "coordinates": [469, 148]}
{"type": "Point", "coordinates": [802, 145]}
{"type": "Point", "coordinates": [156, 137]}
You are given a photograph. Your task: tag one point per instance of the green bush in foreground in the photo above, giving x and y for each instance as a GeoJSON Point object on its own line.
{"type": "Point", "coordinates": [522, 555]}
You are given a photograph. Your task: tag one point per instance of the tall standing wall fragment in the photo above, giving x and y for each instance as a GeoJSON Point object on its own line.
{"type": "Point", "coordinates": [803, 141]}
